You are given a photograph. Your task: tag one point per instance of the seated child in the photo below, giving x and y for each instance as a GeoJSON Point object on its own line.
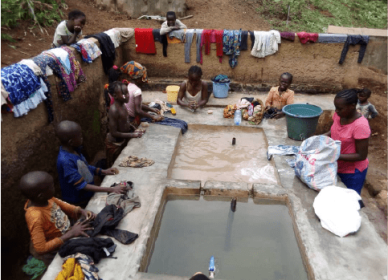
{"type": "Point", "coordinates": [364, 106]}
{"type": "Point", "coordinates": [120, 127]}
{"type": "Point", "coordinates": [68, 31]}
{"type": "Point", "coordinates": [280, 96]}
{"type": "Point", "coordinates": [48, 217]}
{"type": "Point", "coordinates": [193, 93]}
{"type": "Point", "coordinates": [171, 24]}
{"type": "Point", "coordinates": [75, 174]}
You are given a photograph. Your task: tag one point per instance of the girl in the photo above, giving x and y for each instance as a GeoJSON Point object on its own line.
{"type": "Point", "coordinates": [113, 76]}
{"type": "Point", "coordinates": [69, 30]}
{"type": "Point", "coordinates": [193, 93]}
{"type": "Point", "coordinates": [366, 108]}
{"type": "Point", "coordinates": [352, 129]}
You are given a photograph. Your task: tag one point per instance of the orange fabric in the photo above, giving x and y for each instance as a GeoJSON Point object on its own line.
{"type": "Point", "coordinates": [279, 101]}
{"type": "Point", "coordinates": [173, 40]}
{"type": "Point", "coordinates": [47, 224]}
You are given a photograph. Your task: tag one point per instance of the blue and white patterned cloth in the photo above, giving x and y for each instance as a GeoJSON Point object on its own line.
{"type": "Point", "coordinates": [232, 42]}
{"type": "Point", "coordinates": [63, 57]}
{"type": "Point", "coordinates": [331, 38]}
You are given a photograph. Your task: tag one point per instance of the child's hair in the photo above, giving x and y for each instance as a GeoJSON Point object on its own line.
{"type": "Point", "coordinates": [76, 14]}
{"type": "Point", "coordinates": [31, 181]}
{"type": "Point", "coordinates": [171, 13]}
{"type": "Point", "coordinates": [199, 277]}
{"type": "Point", "coordinates": [195, 70]}
{"type": "Point", "coordinates": [113, 75]}
{"type": "Point", "coordinates": [288, 75]}
{"type": "Point", "coordinates": [112, 87]}
{"type": "Point", "coordinates": [350, 95]}
{"type": "Point", "coordinates": [65, 131]}
{"type": "Point", "coordinates": [365, 91]}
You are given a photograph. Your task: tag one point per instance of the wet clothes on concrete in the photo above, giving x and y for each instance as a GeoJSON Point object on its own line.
{"type": "Point", "coordinates": [34, 267]}
{"type": "Point", "coordinates": [107, 48]}
{"type": "Point", "coordinates": [106, 222]}
{"type": "Point", "coordinates": [354, 40]}
{"type": "Point", "coordinates": [127, 201]}
{"type": "Point", "coordinates": [332, 38]}
{"type": "Point", "coordinates": [87, 265]}
{"type": "Point", "coordinates": [170, 122]}
{"type": "Point", "coordinates": [145, 42]}
{"type": "Point", "coordinates": [95, 247]}
{"type": "Point", "coordinates": [71, 270]}
{"type": "Point", "coordinates": [232, 42]}
{"type": "Point", "coordinates": [135, 162]}
{"type": "Point", "coordinates": [290, 36]}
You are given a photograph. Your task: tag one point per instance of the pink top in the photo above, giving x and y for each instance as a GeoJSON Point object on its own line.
{"type": "Point", "coordinates": [133, 91]}
{"type": "Point", "coordinates": [359, 129]}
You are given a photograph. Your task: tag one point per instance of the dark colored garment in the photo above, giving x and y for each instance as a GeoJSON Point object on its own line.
{"type": "Point", "coordinates": [252, 35]}
{"type": "Point", "coordinates": [290, 36]}
{"type": "Point", "coordinates": [354, 40]}
{"type": "Point", "coordinates": [171, 122]}
{"type": "Point", "coordinates": [145, 42]}
{"type": "Point", "coordinates": [106, 222]}
{"type": "Point", "coordinates": [354, 181]}
{"type": "Point", "coordinates": [90, 246]}
{"type": "Point", "coordinates": [270, 113]}
{"type": "Point", "coordinates": [107, 48]}
{"type": "Point", "coordinates": [165, 44]}
{"type": "Point", "coordinates": [156, 34]}
{"type": "Point", "coordinates": [244, 41]}
{"type": "Point", "coordinates": [221, 79]}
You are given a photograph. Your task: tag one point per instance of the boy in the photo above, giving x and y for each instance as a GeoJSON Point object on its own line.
{"type": "Point", "coordinates": [68, 31]}
{"type": "Point", "coordinates": [364, 107]}
{"type": "Point", "coordinates": [280, 96]}
{"type": "Point", "coordinates": [75, 174]}
{"type": "Point", "coordinates": [171, 24]}
{"type": "Point", "coordinates": [47, 217]}
{"type": "Point", "coordinates": [120, 128]}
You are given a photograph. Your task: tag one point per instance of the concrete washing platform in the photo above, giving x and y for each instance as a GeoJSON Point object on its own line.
{"type": "Point", "coordinates": [326, 256]}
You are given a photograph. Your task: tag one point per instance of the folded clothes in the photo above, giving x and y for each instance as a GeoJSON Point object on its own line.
{"type": "Point", "coordinates": [331, 38]}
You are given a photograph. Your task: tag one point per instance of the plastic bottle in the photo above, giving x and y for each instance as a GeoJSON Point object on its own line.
{"type": "Point", "coordinates": [212, 268]}
{"type": "Point", "coordinates": [237, 117]}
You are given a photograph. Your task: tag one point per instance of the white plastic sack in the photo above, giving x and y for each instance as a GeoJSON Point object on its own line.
{"type": "Point", "coordinates": [316, 162]}
{"type": "Point", "coordinates": [338, 209]}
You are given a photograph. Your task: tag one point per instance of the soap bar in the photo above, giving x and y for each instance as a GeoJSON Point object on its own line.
{"type": "Point", "coordinates": [210, 111]}
{"type": "Point", "coordinates": [173, 111]}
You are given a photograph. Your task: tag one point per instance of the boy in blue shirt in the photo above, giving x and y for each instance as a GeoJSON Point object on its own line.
{"type": "Point", "coordinates": [75, 174]}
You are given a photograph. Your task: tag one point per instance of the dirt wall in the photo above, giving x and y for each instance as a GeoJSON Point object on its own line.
{"type": "Point", "coordinates": [29, 143]}
{"type": "Point", "coordinates": [313, 65]}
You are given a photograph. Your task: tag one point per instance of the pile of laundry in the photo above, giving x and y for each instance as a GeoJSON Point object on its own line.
{"type": "Point", "coordinates": [251, 110]}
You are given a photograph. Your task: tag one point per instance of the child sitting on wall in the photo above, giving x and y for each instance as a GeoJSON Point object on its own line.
{"type": "Point", "coordinates": [68, 31]}
{"type": "Point", "coordinates": [47, 217]}
{"type": "Point", "coordinates": [364, 107]}
{"type": "Point", "coordinates": [280, 96]}
{"type": "Point", "coordinates": [193, 93]}
{"type": "Point", "coordinates": [75, 174]}
{"type": "Point", "coordinates": [171, 24]}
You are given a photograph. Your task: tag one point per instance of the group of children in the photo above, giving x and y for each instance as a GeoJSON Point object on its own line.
{"type": "Point", "coordinates": [49, 219]}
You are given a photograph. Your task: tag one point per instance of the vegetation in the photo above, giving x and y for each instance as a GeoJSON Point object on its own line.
{"type": "Point", "coordinates": [316, 15]}
{"type": "Point", "coordinates": [43, 12]}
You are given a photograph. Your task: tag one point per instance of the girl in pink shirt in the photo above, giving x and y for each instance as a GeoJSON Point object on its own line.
{"type": "Point", "coordinates": [352, 129]}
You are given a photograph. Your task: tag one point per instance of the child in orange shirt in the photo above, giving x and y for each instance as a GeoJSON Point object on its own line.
{"type": "Point", "coordinates": [280, 96]}
{"type": "Point", "coordinates": [47, 217]}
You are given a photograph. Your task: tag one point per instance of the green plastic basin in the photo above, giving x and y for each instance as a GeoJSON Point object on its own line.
{"type": "Point", "coordinates": [302, 120]}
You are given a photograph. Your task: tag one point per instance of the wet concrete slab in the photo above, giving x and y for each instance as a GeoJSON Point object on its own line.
{"type": "Point", "coordinates": [359, 256]}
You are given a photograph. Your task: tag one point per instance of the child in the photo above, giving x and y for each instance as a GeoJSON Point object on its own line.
{"type": "Point", "coordinates": [171, 24]}
{"type": "Point", "coordinates": [193, 93]}
{"type": "Point", "coordinates": [199, 276]}
{"type": "Point", "coordinates": [47, 217]}
{"type": "Point", "coordinates": [68, 31]}
{"type": "Point", "coordinates": [120, 128]}
{"type": "Point", "coordinates": [113, 75]}
{"type": "Point", "coordinates": [75, 174]}
{"type": "Point", "coordinates": [363, 106]}
{"type": "Point", "coordinates": [136, 71]}
{"type": "Point", "coordinates": [280, 96]}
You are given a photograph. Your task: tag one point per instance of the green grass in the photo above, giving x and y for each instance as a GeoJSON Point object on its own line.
{"type": "Point", "coordinates": [316, 15]}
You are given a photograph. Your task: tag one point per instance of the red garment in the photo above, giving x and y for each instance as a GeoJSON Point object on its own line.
{"type": "Point", "coordinates": [307, 37]}
{"type": "Point", "coordinates": [212, 36]}
{"type": "Point", "coordinates": [144, 40]}
{"type": "Point", "coordinates": [347, 134]}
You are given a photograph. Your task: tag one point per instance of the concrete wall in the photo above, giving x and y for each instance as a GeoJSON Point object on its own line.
{"type": "Point", "coordinates": [29, 143]}
{"type": "Point", "coordinates": [314, 66]}
{"type": "Point", "coordinates": [137, 8]}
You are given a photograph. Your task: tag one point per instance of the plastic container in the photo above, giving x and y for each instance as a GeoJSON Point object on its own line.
{"type": "Point", "coordinates": [302, 120]}
{"type": "Point", "coordinates": [212, 267]}
{"type": "Point", "coordinates": [172, 93]}
{"type": "Point", "coordinates": [237, 117]}
{"type": "Point", "coordinates": [220, 90]}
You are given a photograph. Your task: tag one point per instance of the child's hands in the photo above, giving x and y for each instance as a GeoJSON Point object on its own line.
{"type": "Point", "coordinates": [120, 189]}
{"type": "Point", "coordinates": [109, 171]}
{"type": "Point", "coordinates": [77, 230]}
{"type": "Point", "coordinates": [156, 111]}
{"type": "Point", "coordinates": [158, 118]}
{"type": "Point", "coordinates": [89, 215]}
{"type": "Point", "coordinates": [278, 115]}
{"type": "Point", "coordinates": [77, 29]}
